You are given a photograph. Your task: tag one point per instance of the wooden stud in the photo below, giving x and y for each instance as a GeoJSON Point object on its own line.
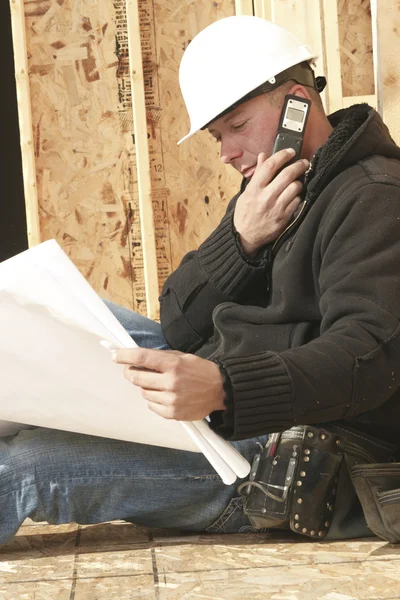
{"type": "Point", "coordinates": [244, 7]}
{"type": "Point", "coordinates": [142, 159]}
{"type": "Point", "coordinates": [387, 18]}
{"type": "Point", "coordinates": [262, 8]}
{"type": "Point", "coordinates": [25, 120]}
{"type": "Point", "coordinates": [377, 57]}
{"type": "Point", "coordinates": [332, 49]}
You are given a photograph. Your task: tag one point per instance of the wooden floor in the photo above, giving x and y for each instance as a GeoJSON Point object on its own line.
{"type": "Point", "coordinates": [118, 561]}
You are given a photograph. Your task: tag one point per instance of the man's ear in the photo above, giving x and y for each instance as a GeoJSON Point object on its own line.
{"type": "Point", "coordinates": [299, 90]}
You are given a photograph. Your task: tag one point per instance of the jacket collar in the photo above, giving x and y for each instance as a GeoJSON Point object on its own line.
{"type": "Point", "coordinates": [358, 132]}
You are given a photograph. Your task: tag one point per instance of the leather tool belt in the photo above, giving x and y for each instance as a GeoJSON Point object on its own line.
{"type": "Point", "coordinates": [376, 479]}
{"type": "Point", "coordinates": [293, 480]}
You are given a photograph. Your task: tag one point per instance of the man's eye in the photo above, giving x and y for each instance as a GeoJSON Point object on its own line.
{"type": "Point", "coordinates": [239, 126]}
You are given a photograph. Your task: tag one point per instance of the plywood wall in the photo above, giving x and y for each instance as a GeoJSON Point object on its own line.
{"type": "Point", "coordinates": [190, 186]}
{"type": "Point", "coordinates": [84, 146]}
{"type": "Point", "coordinates": [85, 159]}
{"type": "Point", "coordinates": [340, 33]}
{"type": "Point", "coordinates": [355, 39]}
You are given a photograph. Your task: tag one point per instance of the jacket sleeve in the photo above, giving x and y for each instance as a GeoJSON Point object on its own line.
{"type": "Point", "coordinates": [217, 272]}
{"type": "Point", "coordinates": [354, 366]}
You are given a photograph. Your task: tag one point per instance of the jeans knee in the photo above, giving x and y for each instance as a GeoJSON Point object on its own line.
{"type": "Point", "coordinates": [145, 332]}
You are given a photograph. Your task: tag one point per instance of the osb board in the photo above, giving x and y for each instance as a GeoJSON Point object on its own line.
{"type": "Point", "coordinates": [190, 185]}
{"type": "Point", "coordinates": [85, 150]}
{"type": "Point", "coordinates": [355, 39]}
{"type": "Point", "coordinates": [118, 560]}
{"type": "Point", "coordinates": [347, 61]}
{"type": "Point", "coordinates": [308, 22]}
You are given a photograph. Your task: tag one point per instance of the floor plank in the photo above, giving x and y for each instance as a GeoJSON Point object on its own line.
{"type": "Point", "coordinates": [119, 561]}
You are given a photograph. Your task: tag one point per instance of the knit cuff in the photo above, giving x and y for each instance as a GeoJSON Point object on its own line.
{"type": "Point", "coordinates": [222, 420]}
{"type": "Point", "coordinates": [223, 260]}
{"type": "Point", "coordinates": [259, 400]}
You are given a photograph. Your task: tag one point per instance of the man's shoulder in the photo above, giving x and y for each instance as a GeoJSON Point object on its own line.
{"type": "Point", "coordinates": [372, 170]}
{"type": "Point", "coordinates": [382, 169]}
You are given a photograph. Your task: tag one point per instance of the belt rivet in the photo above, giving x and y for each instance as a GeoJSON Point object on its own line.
{"type": "Point", "coordinates": [299, 501]}
{"type": "Point", "coordinates": [320, 533]}
{"type": "Point", "coordinates": [263, 510]}
{"type": "Point", "coordinates": [307, 451]}
{"type": "Point", "coordinates": [297, 525]}
{"type": "Point", "coordinates": [304, 530]}
{"type": "Point", "coordinates": [310, 434]}
{"type": "Point", "coordinates": [302, 473]}
{"type": "Point", "coordinates": [297, 517]}
{"type": "Point", "coordinates": [299, 483]}
{"type": "Point", "coordinates": [327, 523]}
{"type": "Point", "coordinates": [312, 532]}
{"type": "Point", "coordinates": [306, 459]}
{"type": "Point", "coordinates": [338, 442]}
{"type": "Point", "coordinates": [323, 436]}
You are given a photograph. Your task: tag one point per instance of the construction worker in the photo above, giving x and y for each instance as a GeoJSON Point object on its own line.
{"type": "Point", "coordinates": [286, 316]}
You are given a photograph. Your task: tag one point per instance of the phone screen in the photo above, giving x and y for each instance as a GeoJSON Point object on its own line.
{"type": "Point", "coordinates": [292, 125]}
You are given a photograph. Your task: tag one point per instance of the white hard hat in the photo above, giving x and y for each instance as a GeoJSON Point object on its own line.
{"type": "Point", "coordinates": [229, 59]}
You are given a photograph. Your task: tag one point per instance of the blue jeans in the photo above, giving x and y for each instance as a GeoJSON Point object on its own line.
{"type": "Point", "coordinates": [63, 477]}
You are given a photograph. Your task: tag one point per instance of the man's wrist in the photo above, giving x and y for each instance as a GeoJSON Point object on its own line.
{"type": "Point", "coordinates": [219, 400]}
{"type": "Point", "coordinates": [248, 250]}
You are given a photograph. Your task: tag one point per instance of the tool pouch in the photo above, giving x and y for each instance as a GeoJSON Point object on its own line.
{"type": "Point", "coordinates": [378, 489]}
{"type": "Point", "coordinates": [376, 479]}
{"type": "Point", "coordinates": [295, 487]}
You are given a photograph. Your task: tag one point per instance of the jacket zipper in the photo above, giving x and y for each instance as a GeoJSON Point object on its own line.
{"type": "Point", "coordinates": [290, 226]}
{"type": "Point", "coordinates": [271, 251]}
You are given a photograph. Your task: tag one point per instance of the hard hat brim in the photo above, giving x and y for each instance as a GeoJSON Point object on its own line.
{"type": "Point", "coordinates": [301, 73]}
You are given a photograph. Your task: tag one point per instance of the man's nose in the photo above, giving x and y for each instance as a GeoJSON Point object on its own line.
{"type": "Point", "coordinates": [230, 151]}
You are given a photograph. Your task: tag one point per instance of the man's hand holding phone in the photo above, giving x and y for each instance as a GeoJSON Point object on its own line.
{"type": "Point", "coordinates": [266, 207]}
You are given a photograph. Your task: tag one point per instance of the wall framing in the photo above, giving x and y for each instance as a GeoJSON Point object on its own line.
{"type": "Point", "coordinates": [100, 113]}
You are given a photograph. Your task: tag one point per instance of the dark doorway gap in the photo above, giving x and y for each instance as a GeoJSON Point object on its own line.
{"type": "Point", "coordinates": [13, 232]}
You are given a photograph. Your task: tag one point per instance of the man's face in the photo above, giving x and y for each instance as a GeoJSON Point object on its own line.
{"type": "Point", "coordinates": [245, 132]}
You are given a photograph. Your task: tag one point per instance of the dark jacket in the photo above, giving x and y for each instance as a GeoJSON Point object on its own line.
{"type": "Point", "coordinates": [309, 332]}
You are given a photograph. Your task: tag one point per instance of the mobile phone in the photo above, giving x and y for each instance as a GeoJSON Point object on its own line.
{"type": "Point", "coordinates": [292, 125]}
